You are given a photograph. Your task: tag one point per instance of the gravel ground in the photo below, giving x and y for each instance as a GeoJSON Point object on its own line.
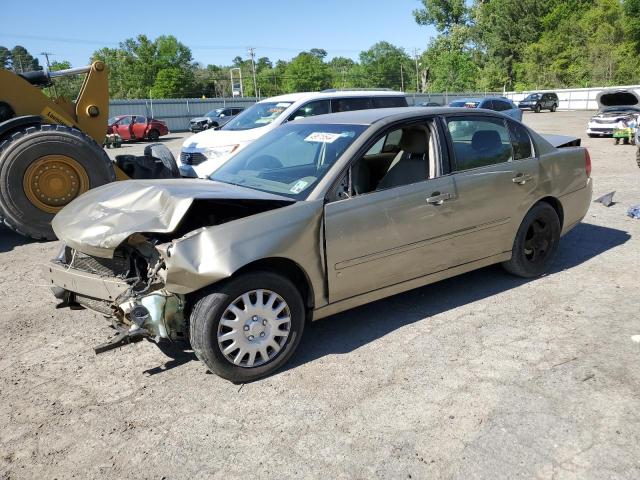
{"type": "Point", "coordinates": [480, 376]}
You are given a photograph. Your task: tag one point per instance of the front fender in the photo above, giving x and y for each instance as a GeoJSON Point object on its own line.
{"type": "Point", "coordinates": [211, 254]}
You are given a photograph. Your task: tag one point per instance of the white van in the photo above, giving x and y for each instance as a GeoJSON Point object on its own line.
{"type": "Point", "coordinates": [204, 152]}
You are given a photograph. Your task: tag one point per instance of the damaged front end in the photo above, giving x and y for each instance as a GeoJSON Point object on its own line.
{"type": "Point", "coordinates": [127, 288]}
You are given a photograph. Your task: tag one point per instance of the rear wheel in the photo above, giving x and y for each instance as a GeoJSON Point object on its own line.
{"type": "Point", "coordinates": [536, 242]}
{"type": "Point", "coordinates": [42, 169]}
{"type": "Point", "coordinates": [153, 135]}
{"type": "Point", "coordinates": [247, 327]}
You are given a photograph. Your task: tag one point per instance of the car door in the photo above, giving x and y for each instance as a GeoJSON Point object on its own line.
{"type": "Point", "coordinates": [392, 231]}
{"type": "Point", "coordinates": [139, 127]}
{"type": "Point", "coordinates": [123, 128]}
{"type": "Point", "coordinates": [491, 188]}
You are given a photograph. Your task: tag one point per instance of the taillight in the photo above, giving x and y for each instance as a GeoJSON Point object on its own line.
{"type": "Point", "coordinates": [587, 162]}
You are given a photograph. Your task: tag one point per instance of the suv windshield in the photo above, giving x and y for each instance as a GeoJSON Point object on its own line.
{"type": "Point", "coordinates": [533, 96]}
{"type": "Point", "coordinates": [214, 113]}
{"type": "Point", "coordinates": [290, 160]}
{"type": "Point", "coordinates": [258, 115]}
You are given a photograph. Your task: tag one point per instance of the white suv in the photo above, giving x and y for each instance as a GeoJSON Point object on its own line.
{"type": "Point", "coordinates": [204, 152]}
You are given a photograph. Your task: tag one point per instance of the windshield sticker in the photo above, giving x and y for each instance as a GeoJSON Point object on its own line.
{"type": "Point", "coordinates": [299, 186]}
{"type": "Point", "coordinates": [323, 137]}
{"type": "Point", "coordinates": [283, 105]}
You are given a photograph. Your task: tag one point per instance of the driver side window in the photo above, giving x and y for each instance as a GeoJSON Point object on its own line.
{"type": "Point", "coordinates": [401, 156]}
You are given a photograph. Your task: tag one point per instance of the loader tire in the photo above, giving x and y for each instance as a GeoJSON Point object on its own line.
{"type": "Point", "coordinates": [42, 169]}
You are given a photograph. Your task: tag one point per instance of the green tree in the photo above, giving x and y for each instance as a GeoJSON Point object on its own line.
{"type": "Point", "coordinates": [450, 66]}
{"type": "Point", "coordinates": [306, 72]}
{"type": "Point", "coordinates": [445, 15]}
{"type": "Point", "coordinates": [5, 57]}
{"type": "Point", "coordinates": [137, 62]}
{"type": "Point", "coordinates": [68, 87]}
{"type": "Point", "coordinates": [384, 64]}
{"type": "Point", "coordinates": [22, 60]}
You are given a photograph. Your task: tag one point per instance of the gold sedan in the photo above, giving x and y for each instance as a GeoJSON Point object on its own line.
{"type": "Point", "coordinates": [317, 217]}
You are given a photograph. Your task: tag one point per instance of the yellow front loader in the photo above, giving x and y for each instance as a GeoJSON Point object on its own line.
{"type": "Point", "coordinates": [51, 148]}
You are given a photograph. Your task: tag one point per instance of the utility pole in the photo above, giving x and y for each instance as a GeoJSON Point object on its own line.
{"type": "Point", "coordinates": [415, 54]}
{"type": "Point", "coordinates": [252, 54]}
{"type": "Point", "coordinates": [401, 79]}
{"type": "Point", "coordinates": [46, 56]}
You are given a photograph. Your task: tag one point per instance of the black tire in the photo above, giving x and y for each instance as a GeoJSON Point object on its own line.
{"type": "Point", "coordinates": [638, 156]}
{"type": "Point", "coordinates": [207, 313]}
{"type": "Point", "coordinates": [21, 150]}
{"type": "Point", "coordinates": [537, 108]}
{"type": "Point", "coordinates": [590, 135]}
{"type": "Point", "coordinates": [160, 151]}
{"type": "Point", "coordinates": [554, 107]}
{"type": "Point", "coordinates": [536, 242]}
{"type": "Point", "coordinates": [153, 135]}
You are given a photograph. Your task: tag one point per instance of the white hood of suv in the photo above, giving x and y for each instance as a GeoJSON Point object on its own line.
{"type": "Point", "coordinates": [221, 138]}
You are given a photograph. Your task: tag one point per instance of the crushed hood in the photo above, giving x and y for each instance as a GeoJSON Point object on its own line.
{"type": "Point", "coordinates": [97, 222]}
{"type": "Point", "coordinates": [617, 98]}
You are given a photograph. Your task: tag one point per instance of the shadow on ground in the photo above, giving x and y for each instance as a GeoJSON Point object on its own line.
{"type": "Point", "coordinates": [347, 331]}
{"type": "Point", "coordinates": [10, 239]}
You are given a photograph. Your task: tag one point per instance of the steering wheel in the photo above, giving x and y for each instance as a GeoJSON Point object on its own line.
{"type": "Point", "coordinates": [262, 162]}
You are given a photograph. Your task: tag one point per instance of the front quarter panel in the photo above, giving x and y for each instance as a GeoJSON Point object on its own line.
{"type": "Point", "coordinates": [211, 254]}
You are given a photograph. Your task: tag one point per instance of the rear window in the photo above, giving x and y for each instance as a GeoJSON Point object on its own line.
{"type": "Point", "coordinates": [389, 102]}
{"type": "Point", "coordinates": [501, 106]}
{"type": "Point", "coordinates": [350, 104]}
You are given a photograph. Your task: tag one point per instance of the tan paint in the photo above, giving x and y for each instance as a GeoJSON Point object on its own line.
{"type": "Point", "coordinates": [378, 244]}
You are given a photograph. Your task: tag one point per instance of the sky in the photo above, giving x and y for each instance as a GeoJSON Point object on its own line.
{"type": "Point", "coordinates": [216, 31]}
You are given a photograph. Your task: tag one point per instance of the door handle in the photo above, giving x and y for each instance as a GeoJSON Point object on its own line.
{"type": "Point", "coordinates": [438, 198]}
{"type": "Point", "coordinates": [522, 178]}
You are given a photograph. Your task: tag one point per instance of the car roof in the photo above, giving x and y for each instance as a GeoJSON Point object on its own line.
{"type": "Point", "coordinates": [294, 97]}
{"type": "Point", "coordinates": [371, 116]}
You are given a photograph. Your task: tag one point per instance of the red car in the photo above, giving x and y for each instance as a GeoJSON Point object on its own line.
{"type": "Point", "coordinates": [137, 127]}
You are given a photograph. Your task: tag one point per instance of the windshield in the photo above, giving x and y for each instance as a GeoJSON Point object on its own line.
{"type": "Point", "coordinates": [258, 115]}
{"type": "Point", "coordinates": [214, 113]}
{"type": "Point", "coordinates": [112, 120]}
{"type": "Point", "coordinates": [533, 96]}
{"type": "Point", "coordinates": [290, 160]}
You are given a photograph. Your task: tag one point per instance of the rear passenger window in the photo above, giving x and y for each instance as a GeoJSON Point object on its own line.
{"type": "Point", "coordinates": [522, 147]}
{"type": "Point", "coordinates": [500, 106]}
{"type": "Point", "coordinates": [350, 104]}
{"type": "Point", "coordinates": [311, 109]}
{"type": "Point", "coordinates": [389, 102]}
{"type": "Point", "coordinates": [479, 141]}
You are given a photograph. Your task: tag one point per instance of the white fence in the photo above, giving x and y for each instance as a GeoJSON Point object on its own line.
{"type": "Point", "coordinates": [177, 112]}
{"type": "Point", "coordinates": [574, 98]}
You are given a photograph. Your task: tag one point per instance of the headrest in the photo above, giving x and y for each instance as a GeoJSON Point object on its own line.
{"type": "Point", "coordinates": [414, 140]}
{"type": "Point", "coordinates": [486, 140]}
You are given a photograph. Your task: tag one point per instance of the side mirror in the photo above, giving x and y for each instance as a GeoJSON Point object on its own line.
{"type": "Point", "coordinates": [222, 115]}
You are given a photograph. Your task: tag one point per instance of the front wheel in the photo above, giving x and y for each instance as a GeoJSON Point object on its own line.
{"type": "Point", "coordinates": [537, 108]}
{"type": "Point", "coordinates": [247, 327]}
{"type": "Point", "coordinates": [536, 242]}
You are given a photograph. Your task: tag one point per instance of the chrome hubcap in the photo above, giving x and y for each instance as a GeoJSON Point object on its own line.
{"type": "Point", "coordinates": [254, 328]}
